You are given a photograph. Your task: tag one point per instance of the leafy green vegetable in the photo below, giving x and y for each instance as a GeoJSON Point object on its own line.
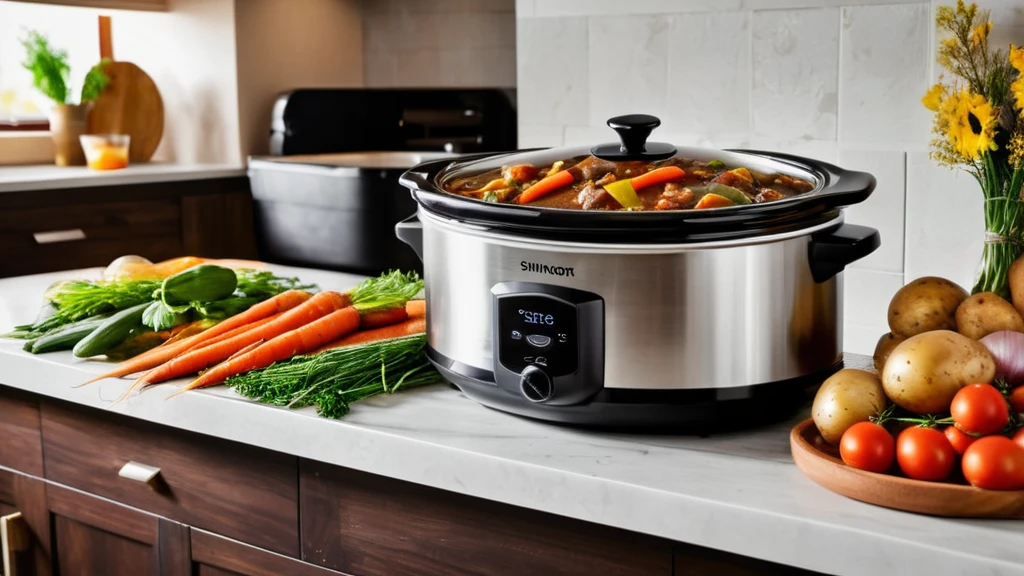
{"type": "Point", "coordinates": [96, 81]}
{"type": "Point", "coordinates": [385, 291]}
{"type": "Point", "coordinates": [333, 379]}
{"type": "Point", "coordinates": [78, 299]}
{"type": "Point", "coordinates": [263, 284]}
{"type": "Point", "coordinates": [716, 165]}
{"type": "Point", "coordinates": [160, 316]}
{"type": "Point", "coordinates": [48, 65]}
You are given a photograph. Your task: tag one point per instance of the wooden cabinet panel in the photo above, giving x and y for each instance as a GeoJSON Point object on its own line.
{"type": "Point", "coordinates": [366, 524]}
{"type": "Point", "coordinates": [698, 561]}
{"type": "Point", "coordinates": [27, 495]}
{"type": "Point", "coordinates": [93, 535]}
{"type": "Point", "coordinates": [239, 491]}
{"type": "Point", "coordinates": [215, 555]}
{"type": "Point", "coordinates": [21, 445]}
{"type": "Point", "coordinates": [159, 220]}
{"type": "Point", "coordinates": [218, 226]}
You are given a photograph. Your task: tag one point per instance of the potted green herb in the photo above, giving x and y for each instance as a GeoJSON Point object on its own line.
{"type": "Point", "coordinates": [50, 74]}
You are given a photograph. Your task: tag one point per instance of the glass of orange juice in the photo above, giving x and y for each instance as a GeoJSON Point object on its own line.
{"type": "Point", "coordinates": [106, 151]}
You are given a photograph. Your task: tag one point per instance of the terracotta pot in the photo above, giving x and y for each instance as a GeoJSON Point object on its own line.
{"type": "Point", "coordinates": [67, 123]}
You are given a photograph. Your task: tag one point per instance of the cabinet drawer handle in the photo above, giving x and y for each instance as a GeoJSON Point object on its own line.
{"type": "Point", "coordinates": [15, 538]}
{"type": "Point", "coordinates": [141, 473]}
{"type": "Point", "coordinates": [55, 236]}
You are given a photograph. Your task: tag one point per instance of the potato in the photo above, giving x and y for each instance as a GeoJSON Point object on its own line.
{"type": "Point", "coordinates": [925, 371]}
{"type": "Point", "coordinates": [885, 346]}
{"type": "Point", "coordinates": [848, 397]}
{"type": "Point", "coordinates": [1016, 280]}
{"type": "Point", "coordinates": [925, 304]}
{"type": "Point", "coordinates": [985, 313]}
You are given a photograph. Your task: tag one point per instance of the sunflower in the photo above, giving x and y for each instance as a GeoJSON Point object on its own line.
{"type": "Point", "coordinates": [1017, 88]}
{"type": "Point", "coordinates": [970, 123]}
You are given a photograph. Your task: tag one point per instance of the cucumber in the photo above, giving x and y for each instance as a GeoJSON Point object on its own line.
{"type": "Point", "coordinates": [111, 332]}
{"type": "Point", "coordinates": [66, 337]}
{"type": "Point", "coordinates": [202, 283]}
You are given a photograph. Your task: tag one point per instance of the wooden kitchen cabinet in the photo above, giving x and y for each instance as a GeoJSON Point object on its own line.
{"type": "Point", "coordinates": [231, 489]}
{"type": "Point", "coordinates": [214, 555]}
{"type": "Point", "coordinates": [49, 230]}
{"type": "Point", "coordinates": [23, 507]}
{"type": "Point", "coordinates": [367, 524]}
{"type": "Point", "coordinates": [93, 535]}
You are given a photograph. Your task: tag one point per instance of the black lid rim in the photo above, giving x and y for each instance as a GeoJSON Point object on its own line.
{"type": "Point", "coordinates": [839, 188]}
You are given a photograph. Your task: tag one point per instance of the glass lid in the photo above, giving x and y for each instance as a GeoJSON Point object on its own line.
{"type": "Point", "coordinates": [637, 186]}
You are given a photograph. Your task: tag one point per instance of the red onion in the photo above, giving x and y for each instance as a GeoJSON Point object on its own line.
{"type": "Point", "coordinates": [1007, 347]}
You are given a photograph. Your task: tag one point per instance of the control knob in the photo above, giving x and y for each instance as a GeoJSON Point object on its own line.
{"type": "Point", "coordinates": [535, 384]}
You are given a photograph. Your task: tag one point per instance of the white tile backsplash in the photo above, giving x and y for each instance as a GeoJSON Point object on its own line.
{"type": "Point", "coordinates": [552, 79]}
{"type": "Point", "coordinates": [795, 73]}
{"type": "Point", "coordinates": [884, 65]}
{"type": "Point", "coordinates": [627, 77]}
{"type": "Point", "coordinates": [865, 307]}
{"type": "Point", "coordinates": [945, 222]}
{"type": "Point", "coordinates": [709, 74]}
{"type": "Point", "coordinates": [884, 209]}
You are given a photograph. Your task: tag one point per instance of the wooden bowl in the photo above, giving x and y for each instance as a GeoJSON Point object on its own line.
{"type": "Point", "coordinates": [821, 463]}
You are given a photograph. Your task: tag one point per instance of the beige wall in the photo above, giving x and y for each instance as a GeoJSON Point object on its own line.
{"type": "Point", "coordinates": [439, 43]}
{"type": "Point", "coordinates": [285, 44]}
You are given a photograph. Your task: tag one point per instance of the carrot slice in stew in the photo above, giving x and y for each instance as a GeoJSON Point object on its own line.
{"type": "Point", "coordinates": [546, 185]}
{"type": "Point", "coordinates": [713, 201]}
{"type": "Point", "coordinates": [657, 176]}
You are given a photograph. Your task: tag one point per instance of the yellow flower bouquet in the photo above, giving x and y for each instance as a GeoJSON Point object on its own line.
{"type": "Point", "coordinates": [979, 126]}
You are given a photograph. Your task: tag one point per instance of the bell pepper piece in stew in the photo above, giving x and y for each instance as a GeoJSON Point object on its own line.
{"type": "Point", "coordinates": [591, 183]}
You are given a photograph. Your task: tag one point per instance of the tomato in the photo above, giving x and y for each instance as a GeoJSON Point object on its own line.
{"type": "Point", "coordinates": [1018, 437]}
{"type": "Point", "coordinates": [980, 409]}
{"type": "Point", "coordinates": [995, 463]}
{"type": "Point", "coordinates": [958, 439]}
{"type": "Point", "coordinates": [924, 454]}
{"type": "Point", "coordinates": [1017, 399]}
{"type": "Point", "coordinates": [867, 446]}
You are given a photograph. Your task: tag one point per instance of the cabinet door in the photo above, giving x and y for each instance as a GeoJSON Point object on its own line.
{"type": "Point", "coordinates": [26, 542]}
{"type": "Point", "coordinates": [366, 524]}
{"type": "Point", "coordinates": [214, 555]}
{"type": "Point", "coordinates": [92, 535]}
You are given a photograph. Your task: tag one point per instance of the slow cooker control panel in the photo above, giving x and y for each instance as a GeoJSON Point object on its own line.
{"type": "Point", "coordinates": [548, 342]}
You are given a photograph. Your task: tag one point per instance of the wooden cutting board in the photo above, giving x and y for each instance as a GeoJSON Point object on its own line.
{"type": "Point", "coordinates": [131, 104]}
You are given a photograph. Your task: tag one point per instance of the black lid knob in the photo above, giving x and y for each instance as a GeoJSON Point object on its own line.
{"type": "Point", "coordinates": [634, 129]}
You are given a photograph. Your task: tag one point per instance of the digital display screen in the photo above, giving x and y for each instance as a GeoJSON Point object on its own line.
{"type": "Point", "coordinates": [537, 330]}
{"type": "Point", "coordinates": [533, 317]}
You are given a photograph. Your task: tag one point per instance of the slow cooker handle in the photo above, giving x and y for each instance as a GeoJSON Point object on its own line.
{"type": "Point", "coordinates": [410, 231]}
{"type": "Point", "coordinates": [829, 252]}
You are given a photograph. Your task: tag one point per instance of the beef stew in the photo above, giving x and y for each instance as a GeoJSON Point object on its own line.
{"type": "Point", "coordinates": [592, 183]}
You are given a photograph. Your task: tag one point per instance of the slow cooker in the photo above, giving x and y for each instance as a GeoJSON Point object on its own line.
{"type": "Point", "coordinates": [679, 318]}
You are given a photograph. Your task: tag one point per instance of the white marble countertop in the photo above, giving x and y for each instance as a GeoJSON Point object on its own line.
{"type": "Point", "coordinates": [736, 492]}
{"type": "Point", "coordinates": [48, 176]}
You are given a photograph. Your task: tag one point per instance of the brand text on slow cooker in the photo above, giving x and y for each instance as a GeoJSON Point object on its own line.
{"type": "Point", "coordinates": [545, 269]}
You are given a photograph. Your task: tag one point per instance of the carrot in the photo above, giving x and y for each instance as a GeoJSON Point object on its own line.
{"type": "Point", "coordinates": [416, 308]}
{"type": "Point", "coordinates": [299, 341]}
{"type": "Point", "coordinates": [378, 318]}
{"type": "Point", "coordinates": [195, 360]}
{"type": "Point", "coordinates": [161, 354]}
{"type": "Point", "coordinates": [414, 325]}
{"type": "Point", "coordinates": [235, 332]}
{"type": "Point", "coordinates": [546, 185]}
{"type": "Point", "coordinates": [713, 201]}
{"type": "Point", "coordinates": [657, 176]}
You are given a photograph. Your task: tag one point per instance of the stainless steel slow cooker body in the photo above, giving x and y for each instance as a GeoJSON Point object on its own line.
{"type": "Point", "coordinates": [557, 324]}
